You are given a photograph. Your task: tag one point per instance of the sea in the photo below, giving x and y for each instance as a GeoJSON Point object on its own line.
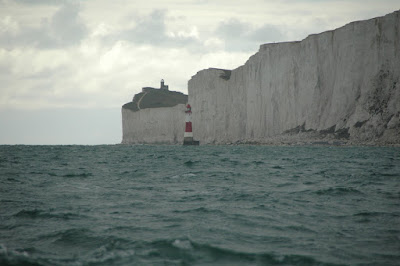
{"type": "Point", "coordinates": [199, 205]}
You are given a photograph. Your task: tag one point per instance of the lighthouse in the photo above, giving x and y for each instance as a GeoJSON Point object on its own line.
{"type": "Point", "coordinates": [188, 136]}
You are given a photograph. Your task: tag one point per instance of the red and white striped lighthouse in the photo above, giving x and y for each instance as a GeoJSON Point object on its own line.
{"type": "Point", "coordinates": [188, 136]}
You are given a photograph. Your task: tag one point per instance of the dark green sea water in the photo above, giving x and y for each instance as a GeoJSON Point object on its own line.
{"type": "Point", "coordinates": [206, 205]}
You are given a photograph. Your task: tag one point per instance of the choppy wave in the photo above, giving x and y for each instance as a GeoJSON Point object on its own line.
{"type": "Point", "coordinates": [337, 191]}
{"type": "Point", "coordinates": [163, 252]}
{"type": "Point", "coordinates": [39, 214]}
{"type": "Point", "coordinates": [213, 205]}
{"type": "Point", "coordinates": [188, 252]}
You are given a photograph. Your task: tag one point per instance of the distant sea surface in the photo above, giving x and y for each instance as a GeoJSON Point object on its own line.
{"type": "Point", "coordinates": [205, 205]}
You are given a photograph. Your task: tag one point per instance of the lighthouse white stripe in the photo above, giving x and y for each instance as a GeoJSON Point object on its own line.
{"type": "Point", "coordinates": [188, 135]}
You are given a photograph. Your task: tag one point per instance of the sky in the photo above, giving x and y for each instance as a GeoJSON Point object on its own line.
{"type": "Point", "coordinates": [67, 67]}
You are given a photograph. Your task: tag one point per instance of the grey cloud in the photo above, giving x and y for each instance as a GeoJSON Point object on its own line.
{"type": "Point", "coordinates": [267, 33]}
{"type": "Point", "coordinates": [42, 2]}
{"type": "Point", "coordinates": [48, 73]}
{"type": "Point", "coordinates": [238, 35]}
{"type": "Point", "coordinates": [152, 30]}
{"type": "Point", "coordinates": [241, 36]}
{"type": "Point", "coordinates": [66, 25]}
{"type": "Point", "coordinates": [64, 28]}
{"type": "Point", "coordinates": [233, 29]}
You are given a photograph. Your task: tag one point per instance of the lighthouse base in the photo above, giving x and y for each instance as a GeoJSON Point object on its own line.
{"type": "Point", "coordinates": [193, 142]}
{"type": "Point", "coordinates": [190, 141]}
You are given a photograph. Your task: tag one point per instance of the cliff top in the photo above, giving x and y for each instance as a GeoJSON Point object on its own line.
{"type": "Point", "coordinates": [155, 98]}
{"type": "Point", "coordinates": [376, 19]}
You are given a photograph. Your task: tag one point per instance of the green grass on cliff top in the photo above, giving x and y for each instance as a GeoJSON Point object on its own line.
{"type": "Point", "coordinates": [156, 98]}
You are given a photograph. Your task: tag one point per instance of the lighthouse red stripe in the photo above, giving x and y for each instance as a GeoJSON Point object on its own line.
{"type": "Point", "coordinates": [188, 127]}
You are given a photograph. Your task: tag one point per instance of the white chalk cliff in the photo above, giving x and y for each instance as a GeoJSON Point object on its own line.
{"type": "Point", "coordinates": [154, 116]}
{"type": "Point", "coordinates": [340, 85]}
{"type": "Point", "coordinates": [164, 125]}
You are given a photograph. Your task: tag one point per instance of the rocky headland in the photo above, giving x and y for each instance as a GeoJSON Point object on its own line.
{"type": "Point", "coordinates": [337, 87]}
{"type": "Point", "coordinates": [154, 116]}
{"type": "Point", "coordinates": [340, 87]}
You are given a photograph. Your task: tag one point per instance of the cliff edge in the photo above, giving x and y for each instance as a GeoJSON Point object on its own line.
{"type": "Point", "coordinates": [340, 86]}
{"type": "Point", "coordinates": [154, 116]}
{"type": "Point", "coordinates": [155, 98]}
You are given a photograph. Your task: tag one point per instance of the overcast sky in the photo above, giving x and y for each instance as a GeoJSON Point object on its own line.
{"type": "Point", "coordinates": [67, 67]}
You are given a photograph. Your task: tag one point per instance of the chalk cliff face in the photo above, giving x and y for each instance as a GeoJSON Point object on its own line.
{"type": "Point", "coordinates": [340, 85]}
{"type": "Point", "coordinates": [163, 125]}
{"type": "Point", "coordinates": [154, 116]}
